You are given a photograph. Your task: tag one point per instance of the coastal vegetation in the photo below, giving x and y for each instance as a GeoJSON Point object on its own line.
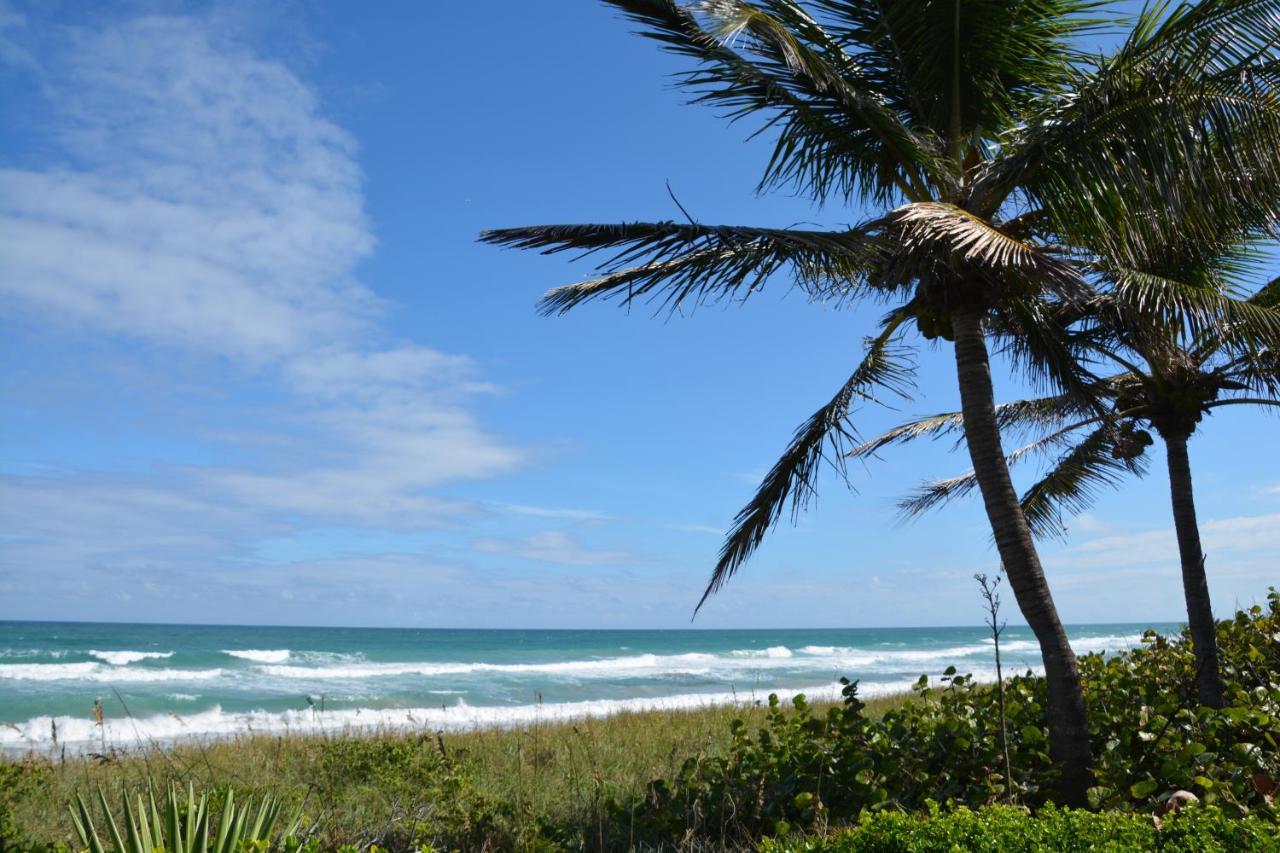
{"type": "Point", "coordinates": [894, 772]}
{"type": "Point", "coordinates": [1009, 188]}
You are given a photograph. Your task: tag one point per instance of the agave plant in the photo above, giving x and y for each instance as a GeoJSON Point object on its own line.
{"type": "Point", "coordinates": [182, 824]}
{"type": "Point", "coordinates": [979, 147]}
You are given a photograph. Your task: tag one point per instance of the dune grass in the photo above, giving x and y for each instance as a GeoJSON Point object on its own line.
{"type": "Point", "coordinates": [354, 788]}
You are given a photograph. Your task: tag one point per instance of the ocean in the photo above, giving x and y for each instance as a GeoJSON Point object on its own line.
{"type": "Point", "coordinates": [161, 683]}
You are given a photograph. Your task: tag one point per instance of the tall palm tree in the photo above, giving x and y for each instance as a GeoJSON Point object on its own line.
{"type": "Point", "coordinates": [1170, 377]}
{"type": "Point", "coordinates": [987, 146]}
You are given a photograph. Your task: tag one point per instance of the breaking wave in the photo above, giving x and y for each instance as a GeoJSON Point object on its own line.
{"type": "Point", "coordinates": [124, 658]}
{"type": "Point", "coordinates": [259, 655]}
{"type": "Point", "coordinates": [99, 672]}
{"type": "Point", "coordinates": [216, 723]}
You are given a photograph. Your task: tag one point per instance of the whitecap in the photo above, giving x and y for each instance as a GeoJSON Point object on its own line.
{"type": "Point", "coordinates": [259, 655]}
{"type": "Point", "coordinates": [97, 672]}
{"type": "Point", "coordinates": [774, 652]}
{"type": "Point", "coordinates": [124, 658]}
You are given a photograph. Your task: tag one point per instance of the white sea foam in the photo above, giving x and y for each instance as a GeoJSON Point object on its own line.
{"type": "Point", "coordinates": [734, 665]}
{"type": "Point", "coordinates": [124, 658]}
{"type": "Point", "coordinates": [775, 652]}
{"type": "Point", "coordinates": [259, 655]}
{"type": "Point", "coordinates": [97, 672]}
{"type": "Point", "coordinates": [35, 733]}
{"type": "Point", "coordinates": [1081, 645]}
{"type": "Point", "coordinates": [862, 658]}
{"type": "Point", "coordinates": [635, 666]}
{"type": "Point", "coordinates": [48, 671]}
{"type": "Point", "coordinates": [33, 653]}
{"type": "Point", "coordinates": [183, 697]}
{"type": "Point", "coordinates": [323, 657]}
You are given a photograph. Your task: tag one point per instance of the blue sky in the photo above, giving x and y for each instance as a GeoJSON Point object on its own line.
{"type": "Point", "coordinates": [256, 369]}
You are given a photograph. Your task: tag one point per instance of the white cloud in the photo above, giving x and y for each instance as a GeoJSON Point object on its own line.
{"type": "Point", "coordinates": [558, 512]}
{"type": "Point", "coordinates": [553, 546]}
{"type": "Point", "coordinates": [196, 200]}
{"type": "Point", "coordinates": [205, 201]}
{"type": "Point", "coordinates": [696, 528]}
{"type": "Point", "coordinates": [1239, 545]}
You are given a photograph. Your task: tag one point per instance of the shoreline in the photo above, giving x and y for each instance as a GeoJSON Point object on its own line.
{"type": "Point", "coordinates": [79, 737]}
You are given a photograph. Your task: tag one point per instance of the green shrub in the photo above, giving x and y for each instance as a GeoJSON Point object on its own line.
{"type": "Point", "coordinates": [18, 780]}
{"type": "Point", "coordinates": [999, 829]}
{"type": "Point", "coordinates": [805, 770]}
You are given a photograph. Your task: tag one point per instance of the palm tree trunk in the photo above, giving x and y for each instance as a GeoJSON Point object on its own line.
{"type": "Point", "coordinates": [1195, 585]}
{"type": "Point", "coordinates": [1068, 722]}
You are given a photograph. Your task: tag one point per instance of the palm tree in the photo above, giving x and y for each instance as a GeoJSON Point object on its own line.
{"type": "Point", "coordinates": [1170, 377]}
{"type": "Point", "coordinates": [987, 147]}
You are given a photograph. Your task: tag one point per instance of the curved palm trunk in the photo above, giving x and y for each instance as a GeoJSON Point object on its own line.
{"type": "Point", "coordinates": [1068, 722]}
{"type": "Point", "coordinates": [1195, 585]}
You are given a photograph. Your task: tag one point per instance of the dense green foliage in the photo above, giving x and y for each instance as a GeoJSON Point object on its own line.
{"type": "Point", "coordinates": [808, 770]}
{"type": "Point", "coordinates": [998, 829]}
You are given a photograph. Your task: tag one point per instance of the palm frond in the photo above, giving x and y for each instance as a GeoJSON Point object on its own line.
{"type": "Point", "coordinates": [824, 436]}
{"type": "Point", "coordinates": [1144, 304]}
{"type": "Point", "coordinates": [837, 135]}
{"type": "Point", "coordinates": [949, 67]}
{"type": "Point", "coordinates": [677, 262]}
{"type": "Point", "coordinates": [1267, 296]}
{"type": "Point", "coordinates": [1072, 485]}
{"type": "Point", "coordinates": [930, 234]}
{"type": "Point", "coordinates": [1031, 333]}
{"type": "Point", "coordinates": [936, 493]}
{"type": "Point", "coordinates": [1179, 126]}
{"type": "Point", "coordinates": [1041, 413]}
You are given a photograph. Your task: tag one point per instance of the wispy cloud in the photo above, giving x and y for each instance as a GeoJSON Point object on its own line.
{"type": "Point", "coordinates": [197, 201]}
{"type": "Point", "coordinates": [696, 528]}
{"type": "Point", "coordinates": [558, 512]}
{"type": "Point", "coordinates": [1238, 545]}
{"type": "Point", "coordinates": [553, 546]}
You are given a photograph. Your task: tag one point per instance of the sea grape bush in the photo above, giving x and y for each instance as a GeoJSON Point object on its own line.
{"type": "Point", "coordinates": [997, 829]}
{"type": "Point", "coordinates": [805, 770]}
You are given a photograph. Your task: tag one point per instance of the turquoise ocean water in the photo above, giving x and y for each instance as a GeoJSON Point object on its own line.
{"type": "Point", "coordinates": [165, 682]}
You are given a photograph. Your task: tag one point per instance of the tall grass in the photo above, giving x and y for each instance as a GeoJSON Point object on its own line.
{"type": "Point", "coordinates": [361, 787]}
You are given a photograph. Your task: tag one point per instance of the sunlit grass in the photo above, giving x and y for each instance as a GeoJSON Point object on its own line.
{"type": "Point", "coordinates": [559, 772]}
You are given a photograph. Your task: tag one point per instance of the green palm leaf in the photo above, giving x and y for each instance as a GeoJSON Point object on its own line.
{"type": "Point", "coordinates": [823, 436]}
{"type": "Point", "coordinates": [679, 263]}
